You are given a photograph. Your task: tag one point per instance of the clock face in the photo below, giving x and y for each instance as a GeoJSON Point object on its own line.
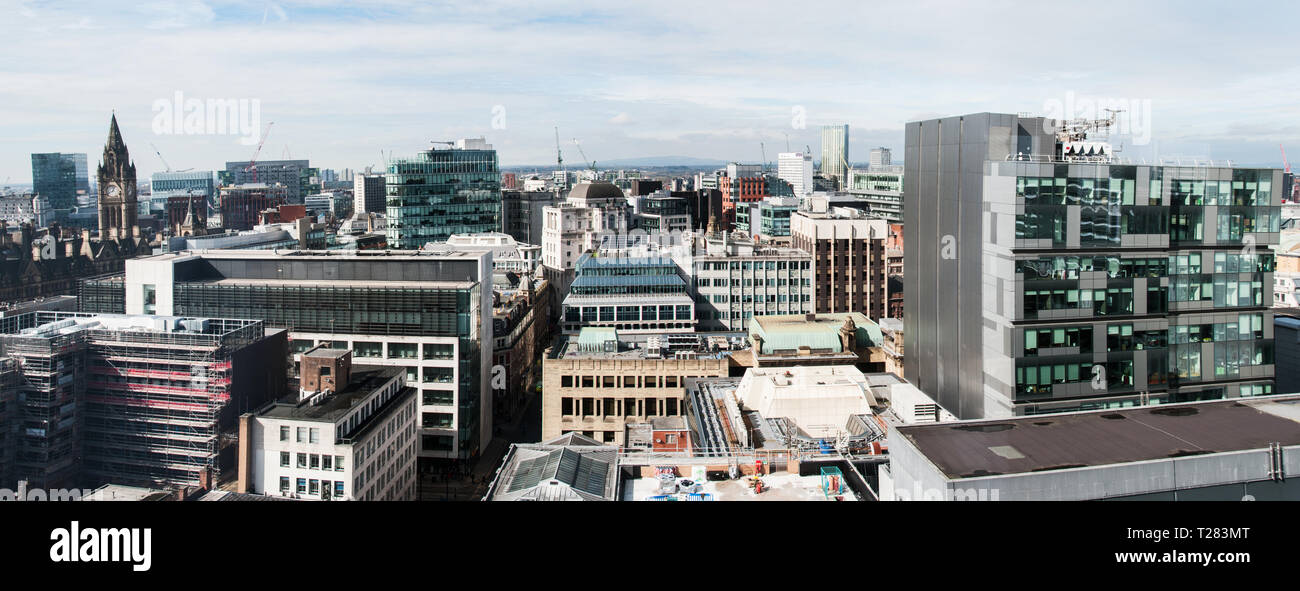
{"type": "Point", "coordinates": [112, 191]}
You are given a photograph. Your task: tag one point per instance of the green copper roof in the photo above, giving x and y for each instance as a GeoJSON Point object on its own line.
{"type": "Point", "coordinates": [791, 331]}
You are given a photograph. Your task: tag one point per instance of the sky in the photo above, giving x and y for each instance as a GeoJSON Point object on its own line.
{"type": "Point", "coordinates": [348, 82]}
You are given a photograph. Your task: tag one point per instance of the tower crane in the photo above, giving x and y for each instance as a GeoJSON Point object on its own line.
{"type": "Point", "coordinates": [590, 165]}
{"type": "Point", "coordinates": [252, 162]}
{"type": "Point", "coordinates": [166, 166]}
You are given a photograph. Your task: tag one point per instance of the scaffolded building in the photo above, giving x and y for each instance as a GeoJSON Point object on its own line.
{"type": "Point", "coordinates": [107, 398]}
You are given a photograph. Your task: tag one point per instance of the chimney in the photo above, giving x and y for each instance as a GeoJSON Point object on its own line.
{"type": "Point", "coordinates": [810, 317]}
{"type": "Point", "coordinates": [205, 478]}
{"type": "Point", "coordinates": [325, 369]}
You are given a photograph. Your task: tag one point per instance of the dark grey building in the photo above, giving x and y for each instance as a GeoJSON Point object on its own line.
{"type": "Point", "coordinates": [290, 173]}
{"type": "Point", "coordinates": [58, 177]}
{"type": "Point", "coordinates": [1040, 279]}
{"type": "Point", "coordinates": [1286, 341]}
{"type": "Point", "coordinates": [368, 194]}
{"type": "Point", "coordinates": [521, 214]}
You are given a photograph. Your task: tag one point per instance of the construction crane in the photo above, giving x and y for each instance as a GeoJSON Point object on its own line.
{"type": "Point", "coordinates": [252, 162]}
{"type": "Point", "coordinates": [590, 165]}
{"type": "Point", "coordinates": [1076, 130]}
{"type": "Point", "coordinates": [164, 160]}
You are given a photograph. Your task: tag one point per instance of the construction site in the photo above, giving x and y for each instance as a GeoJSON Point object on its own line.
{"type": "Point", "coordinates": [140, 400]}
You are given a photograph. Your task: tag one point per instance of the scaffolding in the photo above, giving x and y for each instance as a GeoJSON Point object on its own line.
{"type": "Point", "coordinates": [147, 400]}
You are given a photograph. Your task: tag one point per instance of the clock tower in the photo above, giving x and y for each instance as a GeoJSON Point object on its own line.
{"type": "Point", "coordinates": [117, 204]}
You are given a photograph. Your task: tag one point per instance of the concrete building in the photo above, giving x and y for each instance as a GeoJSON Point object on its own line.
{"type": "Point", "coordinates": [1044, 275]}
{"type": "Point", "coordinates": [592, 212]}
{"type": "Point", "coordinates": [523, 214]}
{"type": "Point", "coordinates": [369, 193]}
{"type": "Point", "coordinates": [241, 205]}
{"type": "Point", "coordinates": [597, 382]}
{"type": "Point", "coordinates": [736, 280]}
{"type": "Point", "coordinates": [521, 329]}
{"type": "Point", "coordinates": [880, 157]}
{"type": "Point", "coordinates": [848, 259]}
{"type": "Point", "coordinates": [294, 175]}
{"type": "Point", "coordinates": [796, 168]}
{"type": "Point", "coordinates": [508, 254]}
{"type": "Point", "coordinates": [348, 434]}
{"type": "Point", "coordinates": [430, 313]}
{"type": "Point", "coordinates": [1221, 451]}
{"type": "Point", "coordinates": [138, 399]}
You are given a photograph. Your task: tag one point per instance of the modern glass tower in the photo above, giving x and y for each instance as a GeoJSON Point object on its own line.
{"type": "Point", "coordinates": [835, 152]}
{"type": "Point", "coordinates": [442, 192]}
{"type": "Point", "coordinates": [1039, 278]}
{"type": "Point", "coordinates": [57, 177]}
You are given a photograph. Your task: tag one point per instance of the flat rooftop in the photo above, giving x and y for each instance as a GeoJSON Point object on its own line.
{"type": "Point", "coordinates": [967, 449]}
{"type": "Point", "coordinates": [777, 486]}
{"type": "Point", "coordinates": [365, 380]}
{"type": "Point", "coordinates": [296, 254]}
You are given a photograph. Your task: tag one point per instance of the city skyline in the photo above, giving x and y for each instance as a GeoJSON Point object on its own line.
{"type": "Point", "coordinates": [344, 81]}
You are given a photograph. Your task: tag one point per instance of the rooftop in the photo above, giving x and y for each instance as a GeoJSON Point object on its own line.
{"type": "Point", "coordinates": [569, 468]}
{"type": "Point", "coordinates": [789, 332]}
{"type": "Point", "coordinates": [604, 342]}
{"type": "Point", "coordinates": [365, 380]}
{"type": "Point", "coordinates": [968, 449]}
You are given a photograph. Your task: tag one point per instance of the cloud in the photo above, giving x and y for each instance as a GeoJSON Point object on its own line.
{"type": "Point", "coordinates": [345, 79]}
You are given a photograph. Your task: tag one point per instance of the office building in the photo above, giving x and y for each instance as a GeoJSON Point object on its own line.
{"type": "Point", "coordinates": [140, 399]}
{"type": "Point", "coordinates": [58, 177]}
{"type": "Point", "coordinates": [592, 212]}
{"type": "Point", "coordinates": [880, 157]}
{"type": "Point", "coordinates": [427, 312]}
{"type": "Point", "coordinates": [848, 251]}
{"type": "Point", "coordinates": [441, 192]}
{"type": "Point", "coordinates": [796, 168]}
{"type": "Point", "coordinates": [522, 213]}
{"type": "Point", "coordinates": [835, 153]}
{"type": "Point", "coordinates": [879, 191]}
{"type": "Point", "coordinates": [767, 220]}
{"type": "Point", "coordinates": [348, 434]}
{"type": "Point", "coordinates": [736, 280]}
{"type": "Point", "coordinates": [786, 340]}
{"type": "Point", "coordinates": [294, 175]}
{"type": "Point", "coordinates": [369, 193]}
{"type": "Point", "coordinates": [596, 382]}
{"type": "Point", "coordinates": [241, 205]}
{"type": "Point", "coordinates": [1044, 275]}
{"type": "Point", "coordinates": [632, 294]}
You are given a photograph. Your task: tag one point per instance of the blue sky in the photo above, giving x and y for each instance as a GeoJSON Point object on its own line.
{"type": "Point", "coordinates": [345, 80]}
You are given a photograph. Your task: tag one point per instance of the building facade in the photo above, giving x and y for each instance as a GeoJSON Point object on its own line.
{"type": "Point", "coordinates": [835, 152]}
{"type": "Point", "coordinates": [354, 441]}
{"type": "Point", "coordinates": [139, 400]}
{"type": "Point", "coordinates": [369, 193]}
{"type": "Point", "coordinates": [294, 175]}
{"type": "Point", "coordinates": [796, 168]}
{"type": "Point", "coordinates": [429, 313]}
{"type": "Point", "coordinates": [443, 192]}
{"type": "Point", "coordinates": [595, 384]}
{"type": "Point", "coordinates": [848, 252]}
{"type": "Point", "coordinates": [1040, 281]}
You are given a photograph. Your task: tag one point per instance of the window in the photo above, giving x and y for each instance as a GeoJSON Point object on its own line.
{"type": "Point", "coordinates": [284, 433]}
{"type": "Point", "coordinates": [302, 460]}
{"type": "Point", "coordinates": [302, 434]}
{"type": "Point", "coordinates": [284, 459]}
{"type": "Point", "coordinates": [314, 487]}
{"type": "Point", "coordinates": [284, 484]}
{"type": "Point", "coordinates": [338, 489]}
{"type": "Point", "coordinates": [315, 461]}
{"type": "Point", "coordinates": [302, 485]}
{"type": "Point", "coordinates": [338, 463]}
{"type": "Point", "coordinates": [315, 435]}
{"type": "Point", "coordinates": [327, 463]}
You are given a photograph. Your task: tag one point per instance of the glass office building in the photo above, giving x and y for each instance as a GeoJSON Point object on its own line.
{"type": "Point", "coordinates": [443, 192]}
{"type": "Point", "coordinates": [1052, 283]}
{"type": "Point", "coordinates": [58, 177]}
